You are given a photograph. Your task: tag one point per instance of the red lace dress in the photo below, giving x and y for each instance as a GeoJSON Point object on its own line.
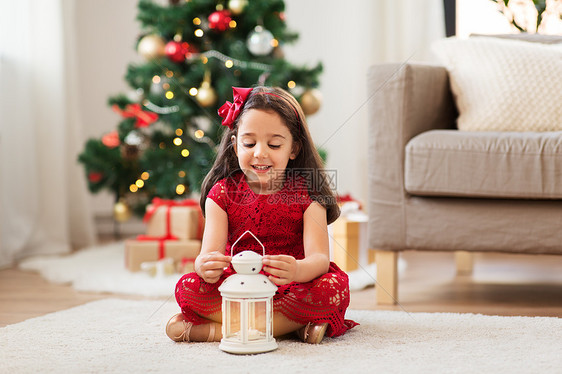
{"type": "Point", "coordinates": [277, 220]}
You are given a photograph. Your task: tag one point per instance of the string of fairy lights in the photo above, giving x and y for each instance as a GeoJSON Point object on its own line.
{"type": "Point", "coordinates": [177, 141]}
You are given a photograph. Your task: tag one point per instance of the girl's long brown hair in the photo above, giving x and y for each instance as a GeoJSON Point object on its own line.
{"type": "Point", "coordinates": [307, 161]}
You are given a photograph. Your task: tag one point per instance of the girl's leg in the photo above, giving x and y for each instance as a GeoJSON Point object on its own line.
{"type": "Point", "coordinates": [282, 325]}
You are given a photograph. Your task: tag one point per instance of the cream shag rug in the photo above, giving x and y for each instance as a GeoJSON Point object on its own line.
{"type": "Point", "coordinates": [126, 336]}
{"type": "Point", "coordinates": [102, 269]}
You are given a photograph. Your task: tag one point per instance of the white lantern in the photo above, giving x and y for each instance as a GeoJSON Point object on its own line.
{"type": "Point", "coordinates": [247, 305]}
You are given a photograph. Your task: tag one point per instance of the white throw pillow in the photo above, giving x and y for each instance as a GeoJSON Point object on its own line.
{"type": "Point", "coordinates": [504, 85]}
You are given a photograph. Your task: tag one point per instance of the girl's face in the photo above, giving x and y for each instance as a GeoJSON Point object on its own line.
{"type": "Point", "coordinates": [264, 146]}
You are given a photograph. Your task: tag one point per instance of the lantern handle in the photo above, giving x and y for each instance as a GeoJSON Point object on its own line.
{"type": "Point", "coordinates": [241, 236]}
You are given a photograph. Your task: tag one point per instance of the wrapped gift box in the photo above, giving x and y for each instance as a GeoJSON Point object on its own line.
{"type": "Point", "coordinates": [349, 241]}
{"type": "Point", "coordinates": [185, 222]}
{"type": "Point", "coordinates": [139, 251]}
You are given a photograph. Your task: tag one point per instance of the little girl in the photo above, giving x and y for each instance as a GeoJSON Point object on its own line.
{"type": "Point", "coordinates": [267, 178]}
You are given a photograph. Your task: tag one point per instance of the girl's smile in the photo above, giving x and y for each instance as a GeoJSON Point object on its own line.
{"type": "Point", "coordinates": [261, 168]}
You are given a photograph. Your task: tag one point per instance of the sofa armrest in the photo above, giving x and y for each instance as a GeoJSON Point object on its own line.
{"type": "Point", "coordinates": [410, 99]}
{"type": "Point", "coordinates": [404, 101]}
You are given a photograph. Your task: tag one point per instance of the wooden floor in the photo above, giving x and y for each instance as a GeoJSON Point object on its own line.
{"type": "Point", "coordinates": [500, 285]}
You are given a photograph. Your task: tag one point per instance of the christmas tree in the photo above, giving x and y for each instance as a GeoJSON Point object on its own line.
{"type": "Point", "coordinates": [193, 52]}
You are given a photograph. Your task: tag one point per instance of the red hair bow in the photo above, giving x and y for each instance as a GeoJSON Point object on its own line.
{"type": "Point", "coordinates": [230, 111]}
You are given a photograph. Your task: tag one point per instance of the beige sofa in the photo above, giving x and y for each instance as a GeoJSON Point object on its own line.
{"type": "Point", "coordinates": [435, 188]}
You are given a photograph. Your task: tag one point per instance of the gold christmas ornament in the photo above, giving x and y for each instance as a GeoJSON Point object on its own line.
{"type": "Point", "coordinates": [151, 46]}
{"type": "Point", "coordinates": [237, 6]}
{"type": "Point", "coordinates": [206, 95]}
{"type": "Point", "coordinates": [310, 101]}
{"type": "Point", "coordinates": [121, 211]}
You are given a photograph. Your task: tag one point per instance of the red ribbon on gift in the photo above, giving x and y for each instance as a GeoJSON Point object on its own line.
{"type": "Point", "coordinates": [157, 203]}
{"type": "Point", "coordinates": [144, 117]}
{"type": "Point", "coordinates": [161, 239]}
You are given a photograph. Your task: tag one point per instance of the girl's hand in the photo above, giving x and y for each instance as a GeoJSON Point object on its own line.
{"type": "Point", "coordinates": [212, 265]}
{"type": "Point", "coordinates": [282, 269]}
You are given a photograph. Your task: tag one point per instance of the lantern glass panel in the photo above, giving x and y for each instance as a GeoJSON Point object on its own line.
{"type": "Point", "coordinates": [232, 319]}
{"type": "Point", "coordinates": [257, 320]}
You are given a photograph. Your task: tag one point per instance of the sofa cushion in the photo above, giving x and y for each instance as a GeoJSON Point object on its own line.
{"type": "Point", "coordinates": [504, 85]}
{"type": "Point", "coordinates": [485, 164]}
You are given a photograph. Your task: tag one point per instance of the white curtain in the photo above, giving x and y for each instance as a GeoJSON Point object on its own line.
{"type": "Point", "coordinates": [43, 197]}
{"type": "Point", "coordinates": [408, 27]}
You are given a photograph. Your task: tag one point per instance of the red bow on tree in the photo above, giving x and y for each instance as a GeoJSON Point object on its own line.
{"type": "Point", "coordinates": [144, 117]}
{"type": "Point", "coordinates": [230, 111]}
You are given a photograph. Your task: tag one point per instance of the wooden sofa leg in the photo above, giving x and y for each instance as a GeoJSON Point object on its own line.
{"type": "Point", "coordinates": [465, 262]}
{"type": "Point", "coordinates": [386, 289]}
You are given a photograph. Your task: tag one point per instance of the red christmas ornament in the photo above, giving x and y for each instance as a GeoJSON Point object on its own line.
{"type": "Point", "coordinates": [220, 20]}
{"type": "Point", "coordinates": [111, 140]}
{"type": "Point", "coordinates": [95, 176]}
{"type": "Point", "coordinates": [178, 51]}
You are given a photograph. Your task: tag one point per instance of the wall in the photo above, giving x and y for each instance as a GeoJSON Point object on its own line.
{"type": "Point", "coordinates": [106, 34]}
